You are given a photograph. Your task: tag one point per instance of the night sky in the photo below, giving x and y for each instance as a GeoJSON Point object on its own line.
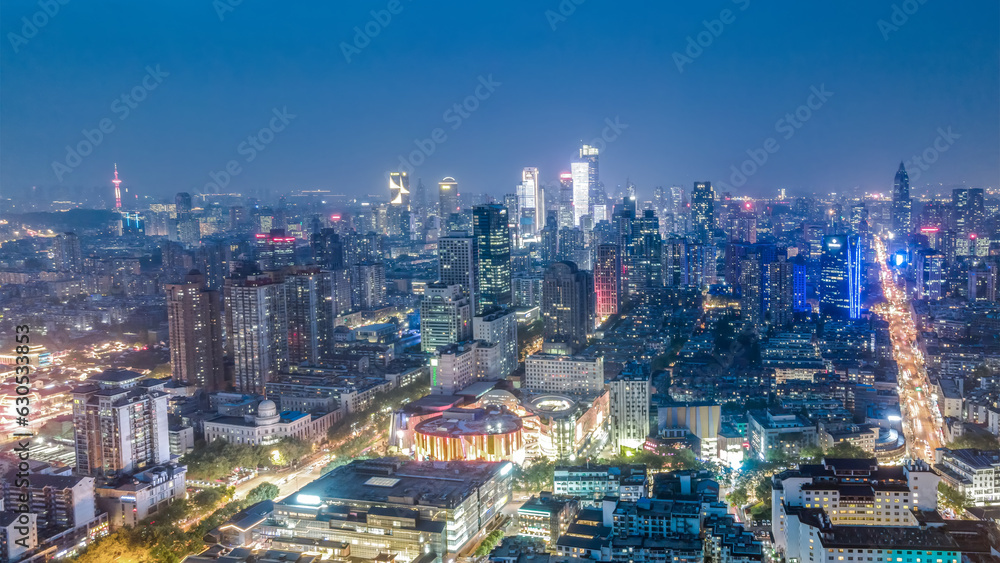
{"type": "Point", "coordinates": [897, 87]}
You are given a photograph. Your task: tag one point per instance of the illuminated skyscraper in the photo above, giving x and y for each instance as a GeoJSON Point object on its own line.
{"type": "Point", "coordinates": [901, 203]}
{"type": "Point", "coordinates": [678, 209]}
{"type": "Point", "coordinates": [445, 317]}
{"type": "Point", "coordinates": [967, 211]}
{"type": "Point", "coordinates": [703, 211]}
{"type": "Point", "coordinates": [492, 233]}
{"type": "Point", "coordinates": [607, 280]}
{"type": "Point", "coordinates": [581, 190]}
{"type": "Point", "coordinates": [274, 250]}
{"type": "Point", "coordinates": [596, 194]}
{"type": "Point", "coordinates": [457, 262]}
{"type": "Point", "coordinates": [194, 318]}
{"type": "Point", "coordinates": [566, 213]}
{"type": "Point", "coordinates": [448, 198]}
{"type": "Point", "coordinates": [532, 215]}
{"type": "Point", "coordinates": [309, 308]}
{"type": "Point", "coordinates": [257, 330]}
{"type": "Point", "coordinates": [841, 265]}
{"type": "Point", "coordinates": [399, 189]}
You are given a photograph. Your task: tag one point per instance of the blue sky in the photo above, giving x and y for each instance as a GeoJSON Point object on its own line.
{"type": "Point", "coordinates": [892, 89]}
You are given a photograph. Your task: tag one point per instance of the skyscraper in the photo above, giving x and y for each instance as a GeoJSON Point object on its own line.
{"type": "Point", "coordinates": [566, 213]}
{"type": "Point", "coordinates": [492, 234]}
{"type": "Point", "coordinates": [607, 280]}
{"type": "Point", "coordinates": [567, 308]}
{"type": "Point", "coordinates": [532, 216]}
{"type": "Point", "coordinates": [678, 209]}
{"type": "Point", "coordinates": [703, 211]}
{"type": "Point", "coordinates": [629, 408]}
{"type": "Point", "coordinates": [327, 249]}
{"type": "Point", "coordinates": [901, 203]}
{"type": "Point", "coordinates": [781, 291]}
{"type": "Point", "coordinates": [309, 308]}
{"type": "Point", "coordinates": [257, 330]}
{"type": "Point", "coordinates": [447, 198]}
{"type": "Point", "coordinates": [499, 329]}
{"type": "Point", "coordinates": [445, 317]}
{"type": "Point", "coordinates": [752, 291]}
{"type": "Point", "coordinates": [194, 318]}
{"type": "Point", "coordinates": [581, 190]}
{"type": "Point", "coordinates": [840, 277]}
{"type": "Point", "coordinates": [275, 250]}
{"type": "Point", "coordinates": [399, 189]}
{"type": "Point", "coordinates": [590, 155]}
{"type": "Point", "coordinates": [967, 211]}
{"type": "Point", "coordinates": [367, 286]}
{"type": "Point", "coordinates": [457, 262]}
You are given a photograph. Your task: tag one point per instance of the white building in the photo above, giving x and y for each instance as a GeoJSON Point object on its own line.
{"type": "Point", "coordinates": [976, 473]}
{"type": "Point", "coordinates": [550, 373]}
{"type": "Point", "coordinates": [453, 369]}
{"type": "Point", "coordinates": [268, 426]}
{"type": "Point", "coordinates": [499, 329]}
{"type": "Point", "coordinates": [581, 190]}
{"type": "Point", "coordinates": [134, 498]}
{"type": "Point", "coordinates": [18, 534]}
{"type": "Point", "coordinates": [121, 424]}
{"type": "Point", "coordinates": [630, 394]}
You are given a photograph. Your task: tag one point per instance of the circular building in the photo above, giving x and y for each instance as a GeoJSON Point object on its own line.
{"type": "Point", "coordinates": [488, 434]}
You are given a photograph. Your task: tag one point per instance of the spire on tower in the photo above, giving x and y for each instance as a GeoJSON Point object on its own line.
{"type": "Point", "coordinates": [118, 190]}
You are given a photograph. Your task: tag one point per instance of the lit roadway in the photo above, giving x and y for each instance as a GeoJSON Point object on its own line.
{"type": "Point", "coordinates": [921, 418]}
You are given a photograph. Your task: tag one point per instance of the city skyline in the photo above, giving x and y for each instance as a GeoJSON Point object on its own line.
{"type": "Point", "coordinates": [330, 118]}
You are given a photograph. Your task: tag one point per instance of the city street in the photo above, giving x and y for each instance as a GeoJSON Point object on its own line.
{"type": "Point", "coordinates": [921, 418]}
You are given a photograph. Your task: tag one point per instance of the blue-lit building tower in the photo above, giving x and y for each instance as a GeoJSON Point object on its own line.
{"type": "Point", "coordinates": [841, 266]}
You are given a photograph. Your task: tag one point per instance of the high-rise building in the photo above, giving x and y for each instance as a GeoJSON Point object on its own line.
{"type": "Point", "coordinates": [752, 291]}
{"type": "Point", "coordinates": [567, 308]}
{"type": "Point", "coordinates": [367, 286]}
{"type": "Point", "coordinates": [445, 316]}
{"type": "Point", "coordinates": [360, 248]}
{"type": "Point", "coordinates": [492, 233]}
{"type": "Point", "coordinates": [532, 216]}
{"type": "Point", "coordinates": [675, 269]}
{"type": "Point", "coordinates": [66, 253]}
{"type": "Point", "coordinates": [457, 262]}
{"type": "Point", "coordinates": [581, 190]}
{"type": "Point", "coordinates": [558, 373]}
{"type": "Point", "coordinates": [678, 209]}
{"type": "Point", "coordinates": [257, 330]}
{"type": "Point", "coordinates": [968, 211]}
{"type": "Point", "coordinates": [703, 211]}
{"type": "Point", "coordinates": [274, 250]}
{"type": "Point", "coordinates": [327, 249]}
{"type": "Point", "coordinates": [781, 292]}
{"type": "Point", "coordinates": [901, 224]}
{"type": "Point", "coordinates": [194, 317]}
{"type": "Point", "coordinates": [629, 408]}
{"type": "Point", "coordinates": [499, 329]}
{"type": "Point", "coordinates": [120, 421]}
{"type": "Point", "coordinates": [596, 194]}
{"type": "Point", "coordinates": [399, 189]}
{"type": "Point", "coordinates": [983, 283]}
{"type": "Point", "coordinates": [841, 265]}
{"type": "Point", "coordinates": [309, 309]}
{"type": "Point", "coordinates": [448, 198]}
{"type": "Point", "coordinates": [607, 280]}
{"type": "Point", "coordinates": [930, 275]}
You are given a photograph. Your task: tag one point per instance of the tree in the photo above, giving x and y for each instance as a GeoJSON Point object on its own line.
{"type": "Point", "coordinates": [953, 498]}
{"type": "Point", "coordinates": [847, 450]}
{"type": "Point", "coordinates": [262, 492]}
{"type": "Point", "coordinates": [974, 441]}
{"type": "Point", "coordinates": [537, 476]}
{"type": "Point", "coordinates": [810, 454]}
